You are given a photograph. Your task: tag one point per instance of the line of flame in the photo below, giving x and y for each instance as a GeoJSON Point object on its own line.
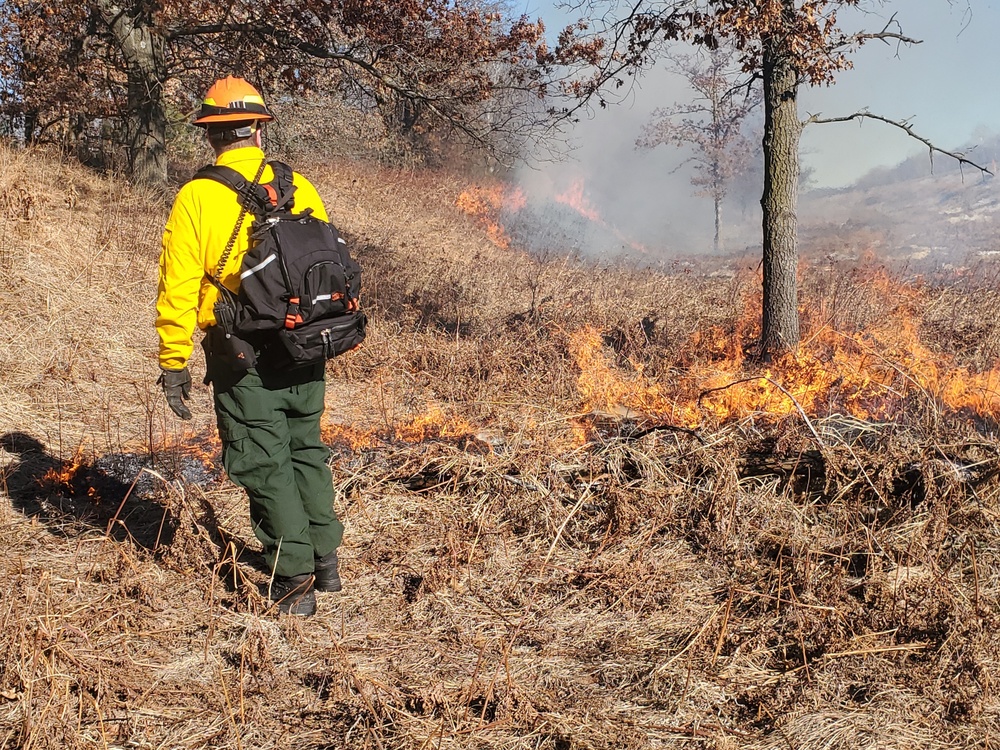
{"type": "Point", "coordinates": [875, 374]}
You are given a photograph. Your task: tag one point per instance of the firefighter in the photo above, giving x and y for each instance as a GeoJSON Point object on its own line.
{"type": "Point", "coordinates": [268, 416]}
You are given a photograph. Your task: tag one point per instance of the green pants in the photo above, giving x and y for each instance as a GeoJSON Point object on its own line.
{"type": "Point", "coordinates": [271, 446]}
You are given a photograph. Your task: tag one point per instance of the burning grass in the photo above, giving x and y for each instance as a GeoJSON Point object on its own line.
{"type": "Point", "coordinates": [882, 371]}
{"type": "Point", "coordinates": [485, 205]}
{"type": "Point", "coordinates": [577, 516]}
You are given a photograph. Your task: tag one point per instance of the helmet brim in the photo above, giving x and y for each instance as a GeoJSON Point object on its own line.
{"type": "Point", "coordinates": [234, 117]}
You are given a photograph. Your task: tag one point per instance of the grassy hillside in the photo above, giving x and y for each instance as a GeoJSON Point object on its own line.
{"type": "Point", "coordinates": [576, 516]}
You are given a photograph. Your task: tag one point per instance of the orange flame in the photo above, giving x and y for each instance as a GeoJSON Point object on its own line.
{"type": "Point", "coordinates": [204, 446]}
{"type": "Point", "coordinates": [486, 204]}
{"type": "Point", "coordinates": [434, 424]}
{"type": "Point", "coordinates": [335, 433]}
{"type": "Point", "coordinates": [61, 479]}
{"type": "Point", "coordinates": [878, 373]}
{"type": "Point", "coordinates": [574, 197]}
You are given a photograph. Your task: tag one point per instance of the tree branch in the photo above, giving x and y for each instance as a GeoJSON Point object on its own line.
{"type": "Point", "coordinates": [308, 48]}
{"type": "Point", "coordinates": [906, 128]}
{"type": "Point", "coordinates": [885, 35]}
{"type": "Point", "coordinates": [435, 104]}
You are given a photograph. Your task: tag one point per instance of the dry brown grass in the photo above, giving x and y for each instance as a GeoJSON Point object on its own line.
{"type": "Point", "coordinates": [830, 583]}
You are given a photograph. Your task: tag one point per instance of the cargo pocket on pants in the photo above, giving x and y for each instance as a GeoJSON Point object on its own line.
{"type": "Point", "coordinates": [235, 444]}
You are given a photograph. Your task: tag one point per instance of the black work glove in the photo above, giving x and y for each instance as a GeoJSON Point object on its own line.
{"type": "Point", "coordinates": [177, 387]}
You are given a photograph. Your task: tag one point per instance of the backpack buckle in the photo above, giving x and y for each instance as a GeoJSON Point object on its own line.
{"type": "Point", "coordinates": [272, 194]}
{"type": "Point", "coordinates": [292, 316]}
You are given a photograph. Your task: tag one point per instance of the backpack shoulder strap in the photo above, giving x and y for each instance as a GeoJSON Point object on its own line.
{"type": "Point", "coordinates": [225, 176]}
{"type": "Point", "coordinates": [283, 198]}
{"type": "Point", "coordinates": [244, 189]}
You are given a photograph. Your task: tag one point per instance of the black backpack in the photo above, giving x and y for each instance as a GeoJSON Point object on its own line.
{"type": "Point", "coordinates": [298, 282]}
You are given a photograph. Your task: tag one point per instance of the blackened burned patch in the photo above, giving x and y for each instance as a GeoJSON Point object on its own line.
{"type": "Point", "coordinates": [909, 485]}
{"type": "Point", "coordinates": [862, 694]}
{"type": "Point", "coordinates": [803, 472]}
{"type": "Point", "coordinates": [123, 494]}
{"type": "Point", "coordinates": [411, 586]}
{"type": "Point", "coordinates": [112, 477]}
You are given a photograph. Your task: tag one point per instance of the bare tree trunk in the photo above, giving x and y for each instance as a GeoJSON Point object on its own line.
{"type": "Point", "coordinates": [143, 51]}
{"type": "Point", "coordinates": [147, 129]}
{"type": "Point", "coordinates": [718, 223]}
{"type": "Point", "coordinates": [782, 130]}
{"type": "Point", "coordinates": [30, 125]}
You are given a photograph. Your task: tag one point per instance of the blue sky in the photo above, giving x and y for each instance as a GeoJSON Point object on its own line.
{"type": "Point", "coordinates": [948, 87]}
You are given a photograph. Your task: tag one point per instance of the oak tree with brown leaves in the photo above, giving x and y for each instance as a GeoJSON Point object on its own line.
{"type": "Point", "coordinates": [786, 44]}
{"type": "Point", "coordinates": [470, 67]}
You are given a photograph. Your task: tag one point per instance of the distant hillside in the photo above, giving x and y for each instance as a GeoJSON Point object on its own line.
{"type": "Point", "coordinates": [909, 213]}
{"type": "Point", "coordinates": [984, 151]}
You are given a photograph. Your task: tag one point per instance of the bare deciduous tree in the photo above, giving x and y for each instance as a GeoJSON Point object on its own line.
{"type": "Point", "coordinates": [712, 123]}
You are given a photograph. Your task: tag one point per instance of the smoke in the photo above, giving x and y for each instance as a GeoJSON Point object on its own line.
{"type": "Point", "coordinates": [631, 200]}
{"type": "Point", "coordinates": [644, 196]}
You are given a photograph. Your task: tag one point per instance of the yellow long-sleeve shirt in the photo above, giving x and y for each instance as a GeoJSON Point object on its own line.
{"type": "Point", "coordinates": [200, 224]}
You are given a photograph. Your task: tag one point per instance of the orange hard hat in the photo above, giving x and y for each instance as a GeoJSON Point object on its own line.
{"type": "Point", "coordinates": [232, 100]}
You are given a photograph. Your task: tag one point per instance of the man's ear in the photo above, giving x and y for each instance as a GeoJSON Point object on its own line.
{"type": "Point", "coordinates": [258, 136]}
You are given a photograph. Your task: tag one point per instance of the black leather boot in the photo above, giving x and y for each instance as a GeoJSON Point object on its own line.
{"type": "Point", "coordinates": [327, 575]}
{"type": "Point", "coordinates": [294, 595]}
